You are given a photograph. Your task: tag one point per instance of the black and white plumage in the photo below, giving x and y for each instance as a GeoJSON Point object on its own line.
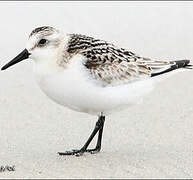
{"type": "Point", "coordinates": [90, 75]}
{"type": "Point", "coordinates": [109, 64]}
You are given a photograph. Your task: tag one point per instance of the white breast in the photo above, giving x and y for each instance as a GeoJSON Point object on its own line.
{"type": "Point", "coordinates": [74, 87]}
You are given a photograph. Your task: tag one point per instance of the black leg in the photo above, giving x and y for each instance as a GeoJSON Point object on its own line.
{"type": "Point", "coordinates": [99, 141]}
{"type": "Point", "coordinates": [98, 127]}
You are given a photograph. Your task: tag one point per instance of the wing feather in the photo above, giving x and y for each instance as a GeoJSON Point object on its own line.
{"type": "Point", "coordinates": [111, 65]}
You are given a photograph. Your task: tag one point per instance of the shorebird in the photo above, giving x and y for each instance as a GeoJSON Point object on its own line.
{"type": "Point", "coordinates": [90, 75]}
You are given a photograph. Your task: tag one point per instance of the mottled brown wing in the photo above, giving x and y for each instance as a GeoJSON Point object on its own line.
{"type": "Point", "coordinates": [111, 65]}
{"type": "Point", "coordinates": [115, 72]}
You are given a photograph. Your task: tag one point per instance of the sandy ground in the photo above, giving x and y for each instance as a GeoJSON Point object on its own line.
{"type": "Point", "coordinates": [153, 139]}
{"type": "Point", "coordinates": [150, 140]}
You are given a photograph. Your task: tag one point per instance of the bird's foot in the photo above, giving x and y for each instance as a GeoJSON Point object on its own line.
{"type": "Point", "coordinates": [93, 151]}
{"type": "Point", "coordinates": [80, 152]}
{"type": "Point", "coordinates": [73, 152]}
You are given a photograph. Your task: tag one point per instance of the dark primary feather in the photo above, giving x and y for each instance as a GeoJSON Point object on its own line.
{"type": "Point", "coordinates": [177, 65]}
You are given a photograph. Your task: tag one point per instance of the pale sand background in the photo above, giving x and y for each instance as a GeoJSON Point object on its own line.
{"type": "Point", "coordinates": [154, 139]}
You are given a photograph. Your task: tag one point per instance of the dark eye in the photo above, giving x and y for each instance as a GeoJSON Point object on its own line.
{"type": "Point", "coordinates": [42, 42]}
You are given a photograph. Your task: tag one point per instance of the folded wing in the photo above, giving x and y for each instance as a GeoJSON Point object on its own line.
{"type": "Point", "coordinates": [110, 65]}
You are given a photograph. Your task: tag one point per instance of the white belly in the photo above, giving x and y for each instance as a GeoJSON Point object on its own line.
{"type": "Point", "coordinates": [73, 87]}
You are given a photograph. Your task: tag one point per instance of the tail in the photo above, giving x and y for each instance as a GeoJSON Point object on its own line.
{"type": "Point", "coordinates": [182, 64]}
{"type": "Point", "coordinates": [175, 65]}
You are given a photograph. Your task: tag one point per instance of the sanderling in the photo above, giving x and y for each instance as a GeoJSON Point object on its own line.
{"type": "Point", "coordinates": [90, 75]}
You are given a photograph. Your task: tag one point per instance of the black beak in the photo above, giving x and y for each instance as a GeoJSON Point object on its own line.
{"type": "Point", "coordinates": [20, 57]}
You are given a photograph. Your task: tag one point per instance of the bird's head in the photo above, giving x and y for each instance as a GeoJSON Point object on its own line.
{"type": "Point", "coordinates": [43, 43]}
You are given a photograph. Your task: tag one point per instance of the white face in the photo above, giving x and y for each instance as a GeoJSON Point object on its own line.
{"type": "Point", "coordinates": [43, 44]}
